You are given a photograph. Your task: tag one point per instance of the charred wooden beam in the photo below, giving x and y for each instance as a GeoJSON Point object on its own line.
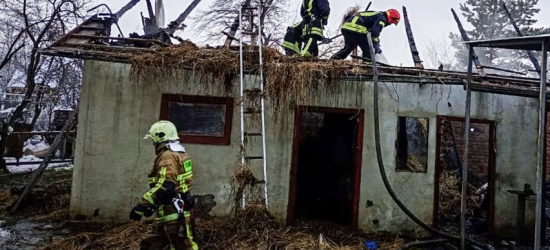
{"type": "Point", "coordinates": [412, 43]}
{"type": "Point", "coordinates": [173, 26]}
{"type": "Point", "coordinates": [467, 39]}
{"type": "Point", "coordinates": [532, 57]}
{"type": "Point", "coordinates": [126, 8]}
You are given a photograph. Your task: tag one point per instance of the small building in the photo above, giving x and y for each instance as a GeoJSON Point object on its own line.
{"type": "Point", "coordinates": [321, 159]}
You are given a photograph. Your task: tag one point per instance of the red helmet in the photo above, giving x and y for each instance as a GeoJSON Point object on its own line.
{"type": "Point", "coordinates": [393, 16]}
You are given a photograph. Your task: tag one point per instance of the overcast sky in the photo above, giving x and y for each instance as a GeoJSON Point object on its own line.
{"type": "Point", "coordinates": [430, 19]}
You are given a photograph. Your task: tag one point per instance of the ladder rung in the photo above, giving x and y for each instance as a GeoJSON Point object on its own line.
{"type": "Point", "coordinates": [254, 157]}
{"type": "Point", "coordinates": [252, 134]}
{"type": "Point", "coordinates": [252, 112]}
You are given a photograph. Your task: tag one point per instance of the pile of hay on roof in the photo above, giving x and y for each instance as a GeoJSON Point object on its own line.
{"type": "Point", "coordinates": [288, 78]}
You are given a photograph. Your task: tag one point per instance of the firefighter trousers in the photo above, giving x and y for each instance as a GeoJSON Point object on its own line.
{"type": "Point", "coordinates": [352, 41]}
{"type": "Point", "coordinates": [313, 33]}
{"type": "Point", "coordinates": [173, 235]}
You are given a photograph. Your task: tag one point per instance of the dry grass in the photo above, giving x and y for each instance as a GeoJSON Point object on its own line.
{"type": "Point", "coordinates": [251, 229]}
{"type": "Point", "coordinates": [288, 78]}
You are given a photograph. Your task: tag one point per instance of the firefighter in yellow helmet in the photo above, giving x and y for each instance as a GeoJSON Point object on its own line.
{"type": "Point", "coordinates": [170, 182]}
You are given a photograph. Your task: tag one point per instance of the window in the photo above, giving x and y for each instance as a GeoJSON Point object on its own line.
{"type": "Point", "coordinates": [412, 144]}
{"type": "Point", "coordinates": [199, 119]}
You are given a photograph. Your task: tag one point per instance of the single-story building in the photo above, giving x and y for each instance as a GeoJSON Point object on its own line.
{"type": "Point", "coordinates": [321, 160]}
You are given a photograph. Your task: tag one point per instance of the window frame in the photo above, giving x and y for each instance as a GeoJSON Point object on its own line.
{"type": "Point", "coordinates": [193, 99]}
{"type": "Point", "coordinates": [397, 147]}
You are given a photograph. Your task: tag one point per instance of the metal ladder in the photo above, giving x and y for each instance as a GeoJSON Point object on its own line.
{"type": "Point", "coordinates": [247, 113]}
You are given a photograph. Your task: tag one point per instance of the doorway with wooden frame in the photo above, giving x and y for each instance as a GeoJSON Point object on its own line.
{"type": "Point", "coordinates": [326, 165]}
{"type": "Point", "coordinates": [481, 175]}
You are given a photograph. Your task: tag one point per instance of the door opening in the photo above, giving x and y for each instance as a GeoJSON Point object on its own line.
{"type": "Point", "coordinates": [326, 165]}
{"type": "Point", "coordinates": [481, 175]}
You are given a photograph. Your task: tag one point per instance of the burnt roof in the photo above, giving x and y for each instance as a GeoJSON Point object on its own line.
{"type": "Point", "coordinates": [92, 41]}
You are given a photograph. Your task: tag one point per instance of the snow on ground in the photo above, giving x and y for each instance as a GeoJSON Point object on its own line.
{"type": "Point", "coordinates": [31, 168]}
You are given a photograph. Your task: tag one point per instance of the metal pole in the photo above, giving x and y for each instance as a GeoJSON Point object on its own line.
{"type": "Point", "coordinates": [243, 160]}
{"type": "Point", "coordinates": [541, 144]}
{"type": "Point", "coordinates": [464, 198]}
{"type": "Point", "coordinates": [260, 9]}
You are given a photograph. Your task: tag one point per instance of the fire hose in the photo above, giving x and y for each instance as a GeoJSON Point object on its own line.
{"type": "Point", "coordinates": [381, 167]}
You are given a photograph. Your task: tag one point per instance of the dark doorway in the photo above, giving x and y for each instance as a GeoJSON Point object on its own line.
{"type": "Point", "coordinates": [326, 165]}
{"type": "Point", "coordinates": [481, 175]}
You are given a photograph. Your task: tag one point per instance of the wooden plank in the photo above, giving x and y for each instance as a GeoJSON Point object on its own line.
{"type": "Point", "coordinates": [42, 168]}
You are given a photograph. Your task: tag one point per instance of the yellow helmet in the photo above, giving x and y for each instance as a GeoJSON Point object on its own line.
{"type": "Point", "coordinates": [162, 131]}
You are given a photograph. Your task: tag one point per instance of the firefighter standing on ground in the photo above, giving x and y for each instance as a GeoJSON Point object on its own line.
{"type": "Point", "coordinates": [170, 181]}
{"type": "Point", "coordinates": [315, 14]}
{"type": "Point", "coordinates": [355, 31]}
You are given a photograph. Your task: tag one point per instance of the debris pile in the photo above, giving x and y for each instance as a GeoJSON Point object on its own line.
{"type": "Point", "coordinates": [251, 229]}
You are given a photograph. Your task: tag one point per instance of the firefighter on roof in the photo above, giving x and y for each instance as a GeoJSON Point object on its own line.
{"type": "Point", "coordinates": [315, 14]}
{"type": "Point", "coordinates": [170, 182]}
{"type": "Point", "coordinates": [355, 31]}
{"type": "Point", "coordinates": [293, 40]}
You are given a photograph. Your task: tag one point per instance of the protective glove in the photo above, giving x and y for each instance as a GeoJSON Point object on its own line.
{"type": "Point", "coordinates": [139, 211]}
{"type": "Point", "coordinates": [189, 201]}
{"type": "Point", "coordinates": [377, 49]}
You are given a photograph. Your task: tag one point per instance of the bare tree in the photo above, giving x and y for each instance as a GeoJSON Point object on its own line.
{"type": "Point", "coordinates": [42, 22]}
{"type": "Point", "coordinates": [437, 53]}
{"type": "Point", "coordinates": [222, 16]}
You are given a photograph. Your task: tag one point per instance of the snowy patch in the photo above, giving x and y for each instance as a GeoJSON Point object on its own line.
{"type": "Point", "coordinates": [31, 168]}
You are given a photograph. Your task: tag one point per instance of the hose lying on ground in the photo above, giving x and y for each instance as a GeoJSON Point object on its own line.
{"type": "Point", "coordinates": [382, 168]}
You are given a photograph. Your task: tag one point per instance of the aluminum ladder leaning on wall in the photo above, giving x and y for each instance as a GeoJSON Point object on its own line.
{"type": "Point", "coordinates": [248, 113]}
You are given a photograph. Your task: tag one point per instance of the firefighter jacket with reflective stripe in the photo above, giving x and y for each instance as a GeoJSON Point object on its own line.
{"type": "Point", "coordinates": [365, 22]}
{"type": "Point", "coordinates": [175, 167]}
{"type": "Point", "coordinates": [315, 8]}
{"type": "Point", "coordinates": [294, 37]}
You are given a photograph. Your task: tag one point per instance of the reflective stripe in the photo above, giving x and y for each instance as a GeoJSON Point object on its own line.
{"type": "Point", "coordinates": [294, 47]}
{"type": "Point", "coordinates": [368, 14]}
{"type": "Point", "coordinates": [189, 231]}
{"type": "Point", "coordinates": [305, 51]}
{"type": "Point", "coordinates": [355, 28]}
{"type": "Point", "coordinates": [313, 31]}
{"type": "Point", "coordinates": [297, 24]}
{"type": "Point", "coordinates": [149, 195]}
{"type": "Point", "coordinates": [161, 211]}
{"type": "Point", "coordinates": [139, 212]}
{"type": "Point", "coordinates": [167, 218]}
{"type": "Point", "coordinates": [152, 180]}
{"type": "Point", "coordinates": [382, 24]}
{"type": "Point", "coordinates": [172, 247]}
{"type": "Point", "coordinates": [376, 40]}
{"type": "Point", "coordinates": [310, 7]}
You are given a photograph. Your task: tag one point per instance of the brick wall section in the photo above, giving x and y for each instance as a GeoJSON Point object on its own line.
{"type": "Point", "coordinates": [478, 159]}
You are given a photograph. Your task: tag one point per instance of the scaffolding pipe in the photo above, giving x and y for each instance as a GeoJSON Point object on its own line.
{"type": "Point", "coordinates": [382, 170]}
{"type": "Point", "coordinates": [464, 198]}
{"type": "Point", "coordinates": [541, 145]}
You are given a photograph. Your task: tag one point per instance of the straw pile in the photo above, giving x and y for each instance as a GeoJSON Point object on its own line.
{"type": "Point", "coordinates": [251, 229]}
{"type": "Point", "coordinates": [288, 78]}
